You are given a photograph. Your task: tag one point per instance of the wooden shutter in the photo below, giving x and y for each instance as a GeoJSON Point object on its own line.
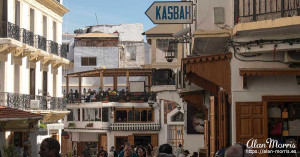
{"type": "Point", "coordinates": [32, 81]}
{"type": "Point", "coordinates": [251, 122]}
{"type": "Point", "coordinates": [103, 141]}
{"type": "Point", "coordinates": [154, 140]}
{"type": "Point", "coordinates": [212, 136]}
{"type": "Point", "coordinates": [222, 120]}
{"type": "Point", "coordinates": [131, 139]}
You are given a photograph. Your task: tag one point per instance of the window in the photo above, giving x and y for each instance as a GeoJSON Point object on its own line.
{"type": "Point", "coordinates": [163, 45]}
{"type": "Point", "coordinates": [88, 61]}
{"type": "Point", "coordinates": [70, 116]}
{"type": "Point", "coordinates": [133, 115]}
{"type": "Point", "coordinates": [104, 114]}
{"type": "Point", "coordinates": [91, 114]}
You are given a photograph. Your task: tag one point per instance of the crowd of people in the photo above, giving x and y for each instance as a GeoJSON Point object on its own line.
{"type": "Point", "coordinates": [50, 147]}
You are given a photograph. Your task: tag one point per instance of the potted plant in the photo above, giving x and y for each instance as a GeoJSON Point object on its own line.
{"type": "Point", "coordinates": [42, 126]}
{"type": "Point", "coordinates": [71, 125]}
{"type": "Point", "coordinates": [105, 100]}
{"type": "Point", "coordinates": [89, 125]}
{"type": "Point", "coordinates": [9, 151]}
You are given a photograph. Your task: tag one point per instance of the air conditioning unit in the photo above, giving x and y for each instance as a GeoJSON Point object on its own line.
{"type": "Point", "coordinates": [34, 104]}
{"type": "Point", "coordinates": [292, 57]}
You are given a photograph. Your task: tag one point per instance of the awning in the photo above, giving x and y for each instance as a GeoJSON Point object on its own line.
{"type": "Point", "coordinates": [51, 116]}
{"type": "Point", "coordinates": [245, 72]}
{"type": "Point", "coordinates": [210, 42]}
{"type": "Point", "coordinates": [209, 72]}
{"type": "Point", "coordinates": [182, 32]}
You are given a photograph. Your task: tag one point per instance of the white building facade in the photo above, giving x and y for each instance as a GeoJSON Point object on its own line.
{"type": "Point", "coordinates": [31, 61]}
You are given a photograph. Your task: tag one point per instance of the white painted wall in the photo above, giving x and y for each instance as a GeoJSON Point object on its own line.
{"type": "Point", "coordinates": [25, 16]}
{"type": "Point", "coordinates": [90, 137]}
{"type": "Point", "coordinates": [50, 80]}
{"type": "Point", "coordinates": [259, 86]}
{"type": "Point", "coordinates": [9, 71]}
{"type": "Point", "coordinates": [2, 79]}
{"type": "Point", "coordinates": [127, 32]}
{"type": "Point", "coordinates": [11, 11]}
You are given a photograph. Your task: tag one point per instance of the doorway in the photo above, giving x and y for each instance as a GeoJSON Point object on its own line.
{"type": "Point", "coordinates": [142, 140]}
{"type": "Point", "coordinates": [119, 141]}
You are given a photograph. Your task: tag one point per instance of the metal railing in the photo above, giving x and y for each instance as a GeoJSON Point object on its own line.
{"type": "Point", "coordinates": [22, 101]}
{"type": "Point", "coordinates": [63, 50]}
{"type": "Point", "coordinates": [40, 42]}
{"type": "Point", "coordinates": [28, 37]}
{"type": "Point", "coordinates": [163, 77]}
{"type": "Point", "coordinates": [257, 10]}
{"type": "Point", "coordinates": [52, 47]}
{"type": "Point", "coordinates": [135, 127]}
{"type": "Point", "coordinates": [10, 30]}
{"type": "Point", "coordinates": [109, 96]}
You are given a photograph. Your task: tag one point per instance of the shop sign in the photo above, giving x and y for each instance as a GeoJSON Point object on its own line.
{"type": "Point", "coordinates": [171, 12]}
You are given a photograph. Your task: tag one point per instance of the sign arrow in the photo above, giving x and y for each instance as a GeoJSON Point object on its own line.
{"type": "Point", "coordinates": [167, 12]}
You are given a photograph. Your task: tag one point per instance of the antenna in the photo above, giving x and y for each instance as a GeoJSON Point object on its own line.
{"type": "Point", "coordinates": [96, 18]}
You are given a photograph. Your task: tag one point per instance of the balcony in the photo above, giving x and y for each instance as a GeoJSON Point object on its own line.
{"type": "Point", "coordinates": [52, 47]}
{"type": "Point", "coordinates": [109, 96]}
{"type": "Point", "coordinates": [258, 10]}
{"type": "Point", "coordinates": [63, 51]}
{"type": "Point", "coordinates": [28, 37]}
{"type": "Point", "coordinates": [40, 42]}
{"type": "Point", "coordinates": [32, 102]}
{"type": "Point", "coordinates": [135, 127]}
{"type": "Point", "coordinates": [9, 30]}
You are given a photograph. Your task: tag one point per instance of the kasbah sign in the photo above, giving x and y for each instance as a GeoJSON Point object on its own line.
{"type": "Point", "coordinates": [171, 12]}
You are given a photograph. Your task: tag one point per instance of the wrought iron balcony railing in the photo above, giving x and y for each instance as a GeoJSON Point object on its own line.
{"type": "Point", "coordinates": [10, 30]}
{"type": "Point", "coordinates": [52, 47]}
{"type": "Point", "coordinates": [109, 96]}
{"type": "Point", "coordinates": [40, 42]}
{"type": "Point", "coordinates": [25, 102]}
{"type": "Point", "coordinates": [135, 126]}
{"type": "Point", "coordinates": [63, 50]}
{"type": "Point", "coordinates": [163, 77]}
{"type": "Point", "coordinates": [257, 10]}
{"type": "Point", "coordinates": [28, 37]}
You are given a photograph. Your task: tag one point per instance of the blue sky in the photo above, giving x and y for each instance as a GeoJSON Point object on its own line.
{"type": "Point", "coordinates": [82, 13]}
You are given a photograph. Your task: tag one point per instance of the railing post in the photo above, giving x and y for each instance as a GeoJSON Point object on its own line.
{"type": "Point", "coordinates": [282, 8]}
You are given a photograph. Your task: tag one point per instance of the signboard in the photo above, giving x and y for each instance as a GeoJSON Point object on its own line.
{"type": "Point", "coordinates": [171, 12]}
{"type": "Point", "coordinates": [137, 86]}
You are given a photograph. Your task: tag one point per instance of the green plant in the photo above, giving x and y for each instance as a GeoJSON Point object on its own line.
{"type": "Point", "coordinates": [89, 125]}
{"type": "Point", "coordinates": [71, 125]}
{"type": "Point", "coordinates": [9, 151]}
{"type": "Point", "coordinates": [43, 126]}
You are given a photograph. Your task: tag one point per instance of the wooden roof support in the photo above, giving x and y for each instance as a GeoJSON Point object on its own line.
{"type": "Point", "coordinates": [127, 81]}
{"type": "Point", "coordinates": [101, 80]}
{"type": "Point", "coordinates": [115, 82]}
{"type": "Point", "coordinates": [67, 83]}
{"type": "Point", "coordinates": [79, 79]}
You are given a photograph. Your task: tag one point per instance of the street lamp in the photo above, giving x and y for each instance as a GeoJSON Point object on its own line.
{"type": "Point", "coordinates": [151, 99]}
{"type": "Point", "coordinates": [170, 53]}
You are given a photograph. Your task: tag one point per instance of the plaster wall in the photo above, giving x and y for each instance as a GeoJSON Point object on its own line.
{"type": "Point", "coordinates": [88, 137]}
{"type": "Point", "coordinates": [2, 79]}
{"type": "Point", "coordinates": [50, 80]}
{"type": "Point", "coordinates": [205, 14]}
{"type": "Point", "coordinates": [9, 74]}
{"type": "Point", "coordinates": [126, 55]}
{"type": "Point", "coordinates": [25, 76]}
{"type": "Point", "coordinates": [25, 16]}
{"type": "Point", "coordinates": [106, 57]}
{"type": "Point", "coordinates": [127, 32]}
{"type": "Point", "coordinates": [10, 11]}
{"type": "Point", "coordinates": [38, 78]}
{"type": "Point", "coordinates": [259, 86]}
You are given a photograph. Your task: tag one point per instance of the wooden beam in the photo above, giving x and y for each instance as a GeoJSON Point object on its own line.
{"type": "Point", "coordinates": [67, 83]}
{"type": "Point", "coordinates": [79, 79]}
{"type": "Point", "coordinates": [244, 82]}
{"type": "Point", "coordinates": [101, 80]}
{"type": "Point", "coordinates": [127, 80]}
{"type": "Point", "coordinates": [115, 82]}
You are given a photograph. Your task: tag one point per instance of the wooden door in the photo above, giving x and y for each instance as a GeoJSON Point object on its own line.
{"type": "Point", "coordinates": [32, 81]}
{"type": "Point", "coordinates": [131, 140]}
{"type": "Point", "coordinates": [45, 83]}
{"type": "Point", "coordinates": [223, 124]}
{"type": "Point", "coordinates": [103, 142]}
{"type": "Point", "coordinates": [250, 122]}
{"type": "Point", "coordinates": [154, 140]}
{"type": "Point", "coordinates": [212, 136]}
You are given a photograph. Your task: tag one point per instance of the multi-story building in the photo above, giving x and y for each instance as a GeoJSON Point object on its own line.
{"type": "Point", "coordinates": [31, 59]}
{"type": "Point", "coordinates": [245, 56]}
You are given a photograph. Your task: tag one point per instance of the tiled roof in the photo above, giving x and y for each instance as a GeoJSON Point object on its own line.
{"type": "Point", "coordinates": [7, 112]}
{"type": "Point", "coordinates": [164, 29]}
{"type": "Point", "coordinates": [97, 35]}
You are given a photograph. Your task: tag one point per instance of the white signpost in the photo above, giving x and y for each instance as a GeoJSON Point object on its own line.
{"type": "Point", "coordinates": [161, 12]}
